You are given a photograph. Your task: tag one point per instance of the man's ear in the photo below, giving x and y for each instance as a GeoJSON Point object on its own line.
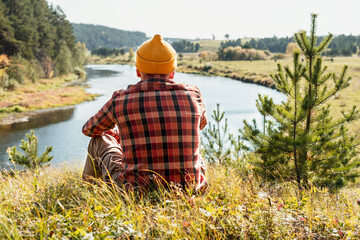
{"type": "Point", "coordinates": [138, 73]}
{"type": "Point", "coordinates": [171, 75]}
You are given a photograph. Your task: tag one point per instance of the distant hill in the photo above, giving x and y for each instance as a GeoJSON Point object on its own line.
{"type": "Point", "coordinates": [96, 36]}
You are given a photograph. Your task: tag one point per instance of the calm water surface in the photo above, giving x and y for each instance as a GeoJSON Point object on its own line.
{"type": "Point", "coordinates": [62, 129]}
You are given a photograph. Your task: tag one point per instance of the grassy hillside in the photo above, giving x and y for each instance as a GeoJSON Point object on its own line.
{"type": "Point", "coordinates": [55, 203]}
{"type": "Point", "coordinates": [213, 45]}
{"type": "Point", "coordinates": [209, 45]}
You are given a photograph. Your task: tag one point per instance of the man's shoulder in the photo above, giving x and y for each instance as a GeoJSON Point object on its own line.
{"type": "Point", "coordinates": [118, 93]}
{"type": "Point", "coordinates": [190, 87]}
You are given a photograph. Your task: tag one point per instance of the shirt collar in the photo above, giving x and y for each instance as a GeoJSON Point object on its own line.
{"type": "Point", "coordinates": [156, 77]}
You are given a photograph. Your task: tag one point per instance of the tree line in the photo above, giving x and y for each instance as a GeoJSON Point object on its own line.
{"type": "Point", "coordinates": [105, 52]}
{"type": "Point", "coordinates": [185, 46]}
{"type": "Point", "coordinates": [97, 36]}
{"type": "Point", "coordinates": [341, 45]}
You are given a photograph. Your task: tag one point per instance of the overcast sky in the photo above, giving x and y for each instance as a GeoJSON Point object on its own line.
{"type": "Point", "coordinates": [202, 18]}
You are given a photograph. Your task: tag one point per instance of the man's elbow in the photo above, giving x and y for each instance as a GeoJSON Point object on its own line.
{"type": "Point", "coordinates": [86, 131]}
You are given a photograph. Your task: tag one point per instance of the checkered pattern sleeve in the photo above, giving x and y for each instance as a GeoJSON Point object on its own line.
{"type": "Point", "coordinates": [102, 121]}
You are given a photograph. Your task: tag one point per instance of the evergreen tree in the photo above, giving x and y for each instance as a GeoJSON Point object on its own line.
{"type": "Point", "coordinates": [30, 147]}
{"type": "Point", "coordinates": [300, 140]}
{"type": "Point", "coordinates": [219, 144]}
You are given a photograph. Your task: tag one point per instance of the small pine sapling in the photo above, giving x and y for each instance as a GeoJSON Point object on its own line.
{"type": "Point", "coordinates": [29, 159]}
{"type": "Point", "coordinates": [221, 146]}
{"type": "Point", "coordinates": [301, 140]}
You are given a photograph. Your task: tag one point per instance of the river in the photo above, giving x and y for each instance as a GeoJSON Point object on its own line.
{"type": "Point", "coordinates": [62, 128]}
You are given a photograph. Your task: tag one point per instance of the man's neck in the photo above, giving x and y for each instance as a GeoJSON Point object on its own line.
{"type": "Point", "coordinates": [145, 77]}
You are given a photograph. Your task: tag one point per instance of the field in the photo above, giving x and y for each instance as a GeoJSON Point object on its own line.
{"type": "Point", "coordinates": [54, 203]}
{"type": "Point", "coordinates": [209, 45]}
{"type": "Point", "coordinates": [213, 45]}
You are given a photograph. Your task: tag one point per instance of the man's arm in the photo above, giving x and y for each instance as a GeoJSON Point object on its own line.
{"type": "Point", "coordinates": [101, 121]}
{"type": "Point", "coordinates": [203, 120]}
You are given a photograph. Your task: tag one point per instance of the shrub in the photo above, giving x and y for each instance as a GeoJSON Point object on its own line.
{"type": "Point", "coordinates": [219, 144]}
{"type": "Point", "coordinates": [238, 53]}
{"type": "Point", "coordinates": [208, 56]}
{"type": "Point", "coordinates": [16, 72]}
{"type": "Point", "coordinates": [33, 70]}
{"type": "Point", "coordinates": [207, 67]}
{"type": "Point", "coordinates": [5, 81]}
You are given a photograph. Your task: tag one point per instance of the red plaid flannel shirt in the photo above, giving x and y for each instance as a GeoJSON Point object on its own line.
{"type": "Point", "coordinates": [159, 123]}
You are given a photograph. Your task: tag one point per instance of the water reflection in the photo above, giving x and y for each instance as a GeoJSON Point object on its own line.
{"type": "Point", "coordinates": [99, 73]}
{"type": "Point", "coordinates": [38, 119]}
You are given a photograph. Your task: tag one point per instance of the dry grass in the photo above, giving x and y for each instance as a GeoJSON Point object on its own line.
{"type": "Point", "coordinates": [46, 93]}
{"type": "Point", "coordinates": [55, 203]}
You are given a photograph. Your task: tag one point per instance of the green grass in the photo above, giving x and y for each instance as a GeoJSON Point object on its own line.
{"type": "Point", "coordinates": [209, 45]}
{"type": "Point", "coordinates": [55, 203]}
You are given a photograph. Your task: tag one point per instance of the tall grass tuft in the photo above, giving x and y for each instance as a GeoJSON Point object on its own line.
{"type": "Point", "coordinates": [54, 203]}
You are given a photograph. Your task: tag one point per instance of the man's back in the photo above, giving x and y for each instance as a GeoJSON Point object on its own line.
{"type": "Point", "coordinates": [159, 123]}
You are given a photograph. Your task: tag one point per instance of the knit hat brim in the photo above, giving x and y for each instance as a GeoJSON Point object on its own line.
{"type": "Point", "coordinates": [148, 67]}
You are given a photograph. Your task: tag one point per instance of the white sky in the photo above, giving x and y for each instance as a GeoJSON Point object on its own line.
{"type": "Point", "coordinates": [202, 18]}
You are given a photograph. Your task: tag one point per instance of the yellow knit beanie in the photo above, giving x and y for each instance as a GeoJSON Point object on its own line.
{"type": "Point", "coordinates": [156, 56]}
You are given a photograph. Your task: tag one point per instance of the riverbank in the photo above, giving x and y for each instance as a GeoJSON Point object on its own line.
{"type": "Point", "coordinates": [25, 100]}
{"type": "Point", "coordinates": [53, 203]}
{"type": "Point", "coordinates": [192, 64]}
{"type": "Point", "coordinates": [257, 72]}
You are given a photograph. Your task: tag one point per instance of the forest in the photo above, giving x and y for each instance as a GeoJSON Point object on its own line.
{"type": "Point", "coordinates": [38, 39]}
{"type": "Point", "coordinates": [97, 36]}
{"type": "Point", "coordinates": [33, 29]}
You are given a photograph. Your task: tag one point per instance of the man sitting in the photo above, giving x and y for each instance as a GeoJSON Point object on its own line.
{"type": "Point", "coordinates": [150, 132]}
